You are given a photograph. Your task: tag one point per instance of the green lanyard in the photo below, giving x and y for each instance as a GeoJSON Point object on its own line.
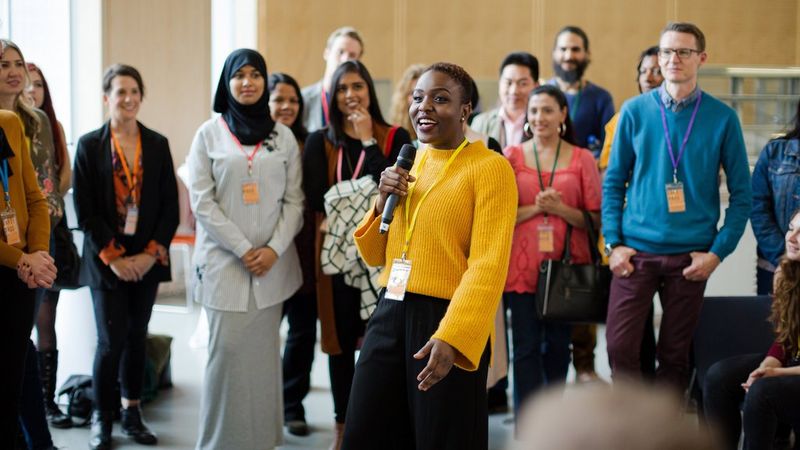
{"type": "Point", "coordinates": [538, 167]}
{"type": "Point", "coordinates": [413, 223]}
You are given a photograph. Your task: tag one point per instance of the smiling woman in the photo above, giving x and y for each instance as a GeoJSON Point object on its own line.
{"type": "Point", "coordinates": [356, 144]}
{"type": "Point", "coordinates": [429, 339]}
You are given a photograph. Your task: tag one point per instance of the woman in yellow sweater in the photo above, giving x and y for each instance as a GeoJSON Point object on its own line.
{"type": "Point", "coordinates": [24, 263]}
{"type": "Point", "coordinates": [445, 257]}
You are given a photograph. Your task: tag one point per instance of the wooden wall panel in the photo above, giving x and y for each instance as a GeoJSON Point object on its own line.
{"type": "Point", "coordinates": [169, 42]}
{"type": "Point", "coordinates": [478, 33]}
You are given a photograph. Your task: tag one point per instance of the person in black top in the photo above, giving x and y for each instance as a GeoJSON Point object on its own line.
{"type": "Point", "coordinates": [356, 143]}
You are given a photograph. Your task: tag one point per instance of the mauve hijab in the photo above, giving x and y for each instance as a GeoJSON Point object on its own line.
{"type": "Point", "coordinates": [250, 124]}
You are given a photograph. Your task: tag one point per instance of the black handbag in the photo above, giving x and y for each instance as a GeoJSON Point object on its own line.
{"type": "Point", "coordinates": [67, 260]}
{"type": "Point", "coordinates": [576, 293]}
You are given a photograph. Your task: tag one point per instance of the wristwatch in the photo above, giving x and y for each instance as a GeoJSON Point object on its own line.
{"type": "Point", "coordinates": [367, 142]}
{"type": "Point", "coordinates": [610, 248]}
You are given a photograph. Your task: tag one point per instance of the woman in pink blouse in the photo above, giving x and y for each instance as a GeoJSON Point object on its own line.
{"type": "Point", "coordinates": [556, 181]}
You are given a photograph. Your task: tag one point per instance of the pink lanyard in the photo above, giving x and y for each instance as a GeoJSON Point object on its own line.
{"type": "Point", "coordinates": [249, 157]}
{"type": "Point", "coordinates": [325, 115]}
{"type": "Point", "coordinates": [358, 166]}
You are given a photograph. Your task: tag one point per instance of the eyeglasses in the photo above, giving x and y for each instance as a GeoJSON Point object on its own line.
{"type": "Point", "coordinates": [683, 53]}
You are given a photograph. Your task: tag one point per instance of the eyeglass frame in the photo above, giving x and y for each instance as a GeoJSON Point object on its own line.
{"type": "Point", "coordinates": [677, 52]}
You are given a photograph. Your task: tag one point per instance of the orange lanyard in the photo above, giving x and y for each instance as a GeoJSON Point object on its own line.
{"type": "Point", "coordinates": [131, 177]}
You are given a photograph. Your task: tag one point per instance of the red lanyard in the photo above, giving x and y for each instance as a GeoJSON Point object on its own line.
{"type": "Point", "coordinates": [132, 178]}
{"type": "Point", "coordinates": [249, 157]}
{"type": "Point", "coordinates": [358, 165]}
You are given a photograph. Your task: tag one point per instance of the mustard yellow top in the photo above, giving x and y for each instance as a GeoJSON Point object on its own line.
{"type": "Point", "coordinates": [27, 200]}
{"type": "Point", "coordinates": [461, 244]}
{"type": "Point", "coordinates": [611, 128]}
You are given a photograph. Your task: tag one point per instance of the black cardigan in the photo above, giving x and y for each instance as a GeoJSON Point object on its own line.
{"type": "Point", "coordinates": [95, 204]}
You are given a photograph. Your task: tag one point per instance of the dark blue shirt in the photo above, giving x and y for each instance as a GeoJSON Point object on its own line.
{"type": "Point", "coordinates": [594, 110]}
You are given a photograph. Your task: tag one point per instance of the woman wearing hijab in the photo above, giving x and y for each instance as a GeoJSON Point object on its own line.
{"type": "Point", "coordinates": [245, 183]}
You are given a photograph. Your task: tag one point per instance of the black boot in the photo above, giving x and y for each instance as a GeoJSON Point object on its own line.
{"type": "Point", "coordinates": [133, 426]}
{"type": "Point", "coordinates": [100, 437]}
{"type": "Point", "coordinates": [48, 367]}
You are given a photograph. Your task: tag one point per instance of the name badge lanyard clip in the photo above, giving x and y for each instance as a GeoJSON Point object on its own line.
{"type": "Point", "coordinates": [401, 268]}
{"type": "Point", "coordinates": [8, 216]}
{"type": "Point", "coordinates": [249, 157]}
{"type": "Point", "coordinates": [412, 223]}
{"type": "Point", "coordinates": [675, 196]}
{"type": "Point", "coordinates": [545, 230]}
{"type": "Point", "coordinates": [132, 178]}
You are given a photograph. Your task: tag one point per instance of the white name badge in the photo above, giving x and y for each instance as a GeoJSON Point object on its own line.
{"type": "Point", "coordinates": [398, 280]}
{"type": "Point", "coordinates": [131, 218]}
{"type": "Point", "coordinates": [10, 226]}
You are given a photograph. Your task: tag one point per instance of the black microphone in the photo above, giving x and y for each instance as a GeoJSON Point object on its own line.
{"type": "Point", "coordinates": [405, 160]}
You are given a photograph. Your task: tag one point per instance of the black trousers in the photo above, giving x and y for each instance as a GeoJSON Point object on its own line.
{"type": "Point", "coordinates": [16, 322]}
{"type": "Point", "coordinates": [349, 328]}
{"type": "Point", "coordinates": [121, 316]}
{"type": "Point", "coordinates": [298, 354]}
{"type": "Point", "coordinates": [768, 403]}
{"type": "Point", "coordinates": [388, 411]}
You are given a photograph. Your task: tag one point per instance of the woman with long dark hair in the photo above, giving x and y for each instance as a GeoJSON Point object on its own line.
{"type": "Point", "coordinates": [356, 143]}
{"type": "Point", "coordinates": [286, 107]}
{"type": "Point", "coordinates": [557, 181]}
{"type": "Point", "coordinates": [768, 385]}
{"type": "Point", "coordinates": [245, 184]}
{"type": "Point", "coordinates": [775, 179]}
{"type": "Point", "coordinates": [46, 345]}
{"type": "Point", "coordinates": [126, 200]}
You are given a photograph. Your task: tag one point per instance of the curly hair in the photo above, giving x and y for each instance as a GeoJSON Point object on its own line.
{"type": "Point", "coordinates": [786, 305]}
{"type": "Point", "coordinates": [400, 96]}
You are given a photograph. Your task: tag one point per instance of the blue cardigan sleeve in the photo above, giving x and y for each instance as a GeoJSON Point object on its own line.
{"type": "Point", "coordinates": [737, 171]}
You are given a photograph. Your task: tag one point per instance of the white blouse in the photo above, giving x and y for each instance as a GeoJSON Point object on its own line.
{"type": "Point", "coordinates": [227, 228]}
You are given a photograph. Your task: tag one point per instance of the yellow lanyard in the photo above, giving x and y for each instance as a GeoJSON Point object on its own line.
{"type": "Point", "coordinates": [413, 223]}
{"type": "Point", "coordinates": [131, 178]}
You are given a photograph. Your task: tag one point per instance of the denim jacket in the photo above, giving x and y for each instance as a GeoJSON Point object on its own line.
{"type": "Point", "coordinates": [776, 195]}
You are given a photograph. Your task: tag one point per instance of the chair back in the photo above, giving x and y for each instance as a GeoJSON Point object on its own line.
{"type": "Point", "coordinates": [731, 326]}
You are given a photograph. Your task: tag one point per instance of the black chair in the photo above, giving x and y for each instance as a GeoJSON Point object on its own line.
{"type": "Point", "coordinates": [729, 326]}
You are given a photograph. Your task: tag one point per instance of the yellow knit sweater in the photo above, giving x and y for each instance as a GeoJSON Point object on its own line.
{"type": "Point", "coordinates": [27, 200]}
{"type": "Point", "coordinates": [461, 243]}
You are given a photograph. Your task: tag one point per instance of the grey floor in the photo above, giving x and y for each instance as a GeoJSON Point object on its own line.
{"type": "Point", "coordinates": [174, 414]}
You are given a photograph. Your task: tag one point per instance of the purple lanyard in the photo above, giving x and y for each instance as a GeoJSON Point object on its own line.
{"type": "Point", "coordinates": [672, 157]}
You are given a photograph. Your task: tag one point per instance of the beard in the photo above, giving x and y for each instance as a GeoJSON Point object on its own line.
{"type": "Point", "coordinates": [571, 76]}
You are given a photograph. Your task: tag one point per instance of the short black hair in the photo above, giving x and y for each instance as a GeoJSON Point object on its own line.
{"type": "Point", "coordinates": [574, 30]}
{"type": "Point", "coordinates": [116, 70]}
{"type": "Point", "coordinates": [522, 59]}
{"type": "Point", "coordinates": [299, 130]}
{"type": "Point", "coordinates": [459, 75]}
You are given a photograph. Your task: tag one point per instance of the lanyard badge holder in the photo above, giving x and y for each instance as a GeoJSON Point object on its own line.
{"type": "Point", "coordinates": [8, 215]}
{"type": "Point", "coordinates": [401, 267]}
{"type": "Point", "coordinates": [676, 200]}
{"type": "Point", "coordinates": [545, 231]}
{"type": "Point", "coordinates": [250, 194]}
{"type": "Point", "coordinates": [132, 177]}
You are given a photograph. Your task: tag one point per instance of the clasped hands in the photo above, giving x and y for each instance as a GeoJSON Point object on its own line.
{"type": "Point", "coordinates": [37, 269]}
{"type": "Point", "coordinates": [259, 260]}
{"type": "Point", "coordinates": [702, 266]}
{"type": "Point", "coordinates": [132, 268]}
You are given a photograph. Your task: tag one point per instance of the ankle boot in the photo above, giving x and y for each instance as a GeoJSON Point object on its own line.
{"type": "Point", "coordinates": [100, 437]}
{"type": "Point", "coordinates": [48, 367]}
{"type": "Point", "coordinates": [134, 427]}
{"type": "Point", "coordinates": [338, 434]}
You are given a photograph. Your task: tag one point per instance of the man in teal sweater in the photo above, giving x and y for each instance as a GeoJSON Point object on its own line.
{"type": "Point", "coordinates": [661, 206]}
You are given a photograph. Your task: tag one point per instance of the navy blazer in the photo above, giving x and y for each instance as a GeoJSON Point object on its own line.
{"type": "Point", "coordinates": [95, 204]}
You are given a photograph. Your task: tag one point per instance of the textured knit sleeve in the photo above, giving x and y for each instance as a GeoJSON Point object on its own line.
{"type": "Point", "coordinates": [620, 165]}
{"type": "Point", "coordinates": [469, 320]}
{"type": "Point", "coordinates": [371, 244]}
{"type": "Point", "coordinates": [737, 173]}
